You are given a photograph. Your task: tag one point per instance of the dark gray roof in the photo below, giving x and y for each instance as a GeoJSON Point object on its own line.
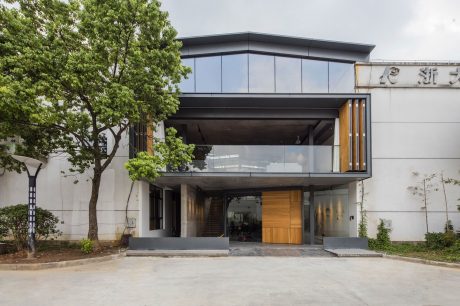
{"type": "Point", "coordinates": [276, 39]}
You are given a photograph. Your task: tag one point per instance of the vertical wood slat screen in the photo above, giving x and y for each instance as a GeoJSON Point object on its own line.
{"type": "Point", "coordinates": [352, 117]}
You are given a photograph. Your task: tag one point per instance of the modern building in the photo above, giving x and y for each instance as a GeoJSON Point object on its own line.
{"type": "Point", "coordinates": [286, 130]}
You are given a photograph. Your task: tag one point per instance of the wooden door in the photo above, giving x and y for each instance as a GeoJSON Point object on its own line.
{"type": "Point", "coordinates": [282, 217]}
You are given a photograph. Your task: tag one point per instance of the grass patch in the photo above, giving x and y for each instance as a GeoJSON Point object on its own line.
{"type": "Point", "coordinates": [420, 250]}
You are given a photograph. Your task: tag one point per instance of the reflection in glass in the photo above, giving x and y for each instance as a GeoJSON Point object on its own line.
{"type": "Point", "coordinates": [188, 85]}
{"type": "Point", "coordinates": [272, 159]}
{"type": "Point", "coordinates": [235, 73]}
{"type": "Point", "coordinates": [244, 219]}
{"type": "Point", "coordinates": [261, 73]}
{"type": "Point", "coordinates": [341, 77]}
{"type": "Point", "coordinates": [208, 74]}
{"type": "Point", "coordinates": [288, 74]}
{"type": "Point", "coordinates": [314, 76]}
{"type": "Point", "coordinates": [306, 217]}
{"type": "Point", "coordinates": [331, 213]}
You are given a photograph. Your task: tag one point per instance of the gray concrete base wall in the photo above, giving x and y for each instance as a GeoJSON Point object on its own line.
{"type": "Point", "coordinates": [179, 243]}
{"type": "Point", "coordinates": [345, 243]}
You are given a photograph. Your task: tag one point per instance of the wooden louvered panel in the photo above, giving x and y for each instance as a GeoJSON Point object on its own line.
{"type": "Point", "coordinates": [149, 138]}
{"type": "Point", "coordinates": [362, 135]}
{"type": "Point", "coordinates": [345, 138]}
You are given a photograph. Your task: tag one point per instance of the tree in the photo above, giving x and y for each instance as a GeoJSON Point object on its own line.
{"type": "Point", "coordinates": [83, 70]}
{"type": "Point", "coordinates": [422, 190]}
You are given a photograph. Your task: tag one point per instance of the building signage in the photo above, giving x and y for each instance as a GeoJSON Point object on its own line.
{"type": "Point", "coordinates": [408, 75]}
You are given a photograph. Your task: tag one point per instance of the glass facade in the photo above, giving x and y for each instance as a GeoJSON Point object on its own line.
{"type": "Point", "coordinates": [288, 74]}
{"type": "Point", "coordinates": [331, 213]}
{"type": "Point", "coordinates": [208, 74]}
{"type": "Point", "coordinates": [341, 77]}
{"type": "Point", "coordinates": [257, 73]}
{"type": "Point", "coordinates": [188, 84]}
{"type": "Point", "coordinates": [235, 73]}
{"type": "Point", "coordinates": [261, 73]}
{"type": "Point", "coordinates": [256, 158]}
{"type": "Point", "coordinates": [315, 76]}
{"type": "Point", "coordinates": [244, 219]}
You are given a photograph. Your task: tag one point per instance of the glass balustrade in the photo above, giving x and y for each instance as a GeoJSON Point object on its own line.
{"type": "Point", "coordinates": [270, 159]}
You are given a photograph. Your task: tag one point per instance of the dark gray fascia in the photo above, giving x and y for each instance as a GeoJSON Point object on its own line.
{"type": "Point", "coordinates": [276, 45]}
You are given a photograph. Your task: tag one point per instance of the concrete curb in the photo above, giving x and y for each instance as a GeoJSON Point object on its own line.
{"type": "Point", "coordinates": [424, 261]}
{"type": "Point", "coordinates": [58, 264]}
{"type": "Point", "coordinates": [178, 253]}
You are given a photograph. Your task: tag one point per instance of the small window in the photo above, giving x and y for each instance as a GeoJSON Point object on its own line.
{"type": "Point", "coordinates": [156, 208]}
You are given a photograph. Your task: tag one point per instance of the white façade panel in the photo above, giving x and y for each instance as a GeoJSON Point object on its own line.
{"type": "Point", "coordinates": [415, 140]}
{"type": "Point", "coordinates": [387, 197]}
{"type": "Point", "coordinates": [408, 226]}
{"type": "Point", "coordinates": [387, 190]}
{"type": "Point", "coordinates": [415, 105]}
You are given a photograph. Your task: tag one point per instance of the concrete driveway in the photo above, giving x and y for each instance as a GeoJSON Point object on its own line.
{"type": "Point", "coordinates": [235, 281]}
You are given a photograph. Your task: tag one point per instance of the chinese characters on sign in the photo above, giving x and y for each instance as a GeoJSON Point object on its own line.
{"type": "Point", "coordinates": [390, 74]}
{"type": "Point", "coordinates": [456, 76]}
{"type": "Point", "coordinates": [426, 76]}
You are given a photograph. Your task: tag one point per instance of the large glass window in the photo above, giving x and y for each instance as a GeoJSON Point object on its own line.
{"type": "Point", "coordinates": [156, 208]}
{"type": "Point", "coordinates": [257, 73]}
{"type": "Point", "coordinates": [341, 77]}
{"type": "Point", "coordinates": [288, 74]}
{"type": "Point", "coordinates": [314, 76]}
{"type": "Point", "coordinates": [261, 73]}
{"type": "Point", "coordinates": [235, 73]}
{"type": "Point", "coordinates": [208, 74]}
{"type": "Point", "coordinates": [244, 219]}
{"type": "Point", "coordinates": [188, 85]}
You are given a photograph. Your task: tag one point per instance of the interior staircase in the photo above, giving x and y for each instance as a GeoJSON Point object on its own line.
{"type": "Point", "coordinates": [215, 222]}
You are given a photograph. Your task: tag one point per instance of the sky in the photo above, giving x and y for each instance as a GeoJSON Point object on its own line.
{"type": "Point", "coordinates": [400, 29]}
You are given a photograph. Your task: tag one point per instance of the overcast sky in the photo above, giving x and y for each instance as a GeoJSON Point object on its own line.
{"type": "Point", "coordinates": [400, 29]}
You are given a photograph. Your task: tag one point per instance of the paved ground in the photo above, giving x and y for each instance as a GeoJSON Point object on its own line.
{"type": "Point", "coordinates": [235, 281]}
{"type": "Point", "coordinates": [261, 249]}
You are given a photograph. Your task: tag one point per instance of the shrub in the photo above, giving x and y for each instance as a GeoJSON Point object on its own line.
{"type": "Point", "coordinates": [86, 246]}
{"type": "Point", "coordinates": [449, 239]}
{"type": "Point", "coordinates": [438, 241]}
{"type": "Point", "coordinates": [383, 237]}
{"type": "Point", "coordinates": [448, 226]}
{"type": "Point", "coordinates": [14, 223]}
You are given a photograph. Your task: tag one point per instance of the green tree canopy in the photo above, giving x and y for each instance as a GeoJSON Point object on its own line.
{"type": "Point", "coordinates": [74, 71]}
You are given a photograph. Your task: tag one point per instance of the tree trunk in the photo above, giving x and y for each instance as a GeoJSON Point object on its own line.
{"type": "Point", "coordinates": [96, 182]}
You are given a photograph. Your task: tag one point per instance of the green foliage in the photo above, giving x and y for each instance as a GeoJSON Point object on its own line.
{"type": "Point", "coordinates": [171, 152]}
{"type": "Point", "coordinates": [13, 220]}
{"type": "Point", "coordinates": [438, 241]}
{"type": "Point", "coordinates": [362, 226]}
{"type": "Point", "coordinates": [86, 246]}
{"type": "Point", "coordinates": [73, 72]}
{"type": "Point", "coordinates": [420, 250]}
{"type": "Point", "coordinates": [382, 241]}
{"type": "Point", "coordinates": [448, 226]}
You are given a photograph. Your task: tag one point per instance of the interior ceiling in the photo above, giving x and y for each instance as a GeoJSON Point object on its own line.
{"type": "Point", "coordinates": [253, 131]}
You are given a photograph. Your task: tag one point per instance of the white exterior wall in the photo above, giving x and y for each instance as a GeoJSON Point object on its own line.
{"type": "Point", "coordinates": [415, 128]}
{"type": "Point", "coordinates": [69, 202]}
